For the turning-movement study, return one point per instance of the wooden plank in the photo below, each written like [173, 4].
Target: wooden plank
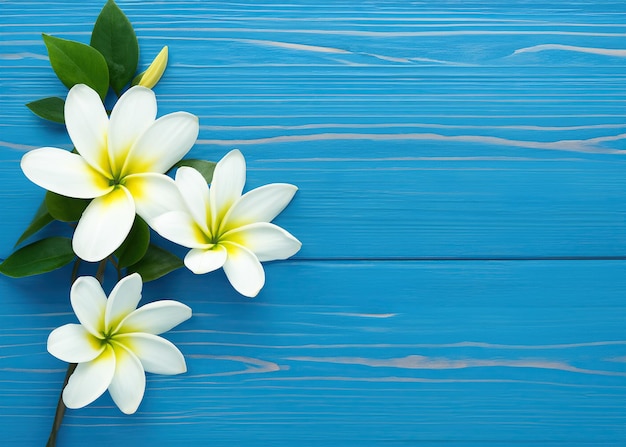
[483, 352]
[482, 133]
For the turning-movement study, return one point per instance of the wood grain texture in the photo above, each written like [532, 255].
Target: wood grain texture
[436, 351]
[462, 207]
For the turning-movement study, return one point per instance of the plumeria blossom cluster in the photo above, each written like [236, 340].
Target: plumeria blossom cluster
[120, 164]
[126, 176]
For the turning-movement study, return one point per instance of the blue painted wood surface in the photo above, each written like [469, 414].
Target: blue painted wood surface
[462, 207]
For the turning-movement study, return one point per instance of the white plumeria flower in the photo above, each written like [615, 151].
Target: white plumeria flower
[115, 343]
[120, 164]
[224, 228]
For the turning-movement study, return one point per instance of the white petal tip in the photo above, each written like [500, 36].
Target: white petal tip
[72, 405]
[181, 370]
[250, 295]
[130, 410]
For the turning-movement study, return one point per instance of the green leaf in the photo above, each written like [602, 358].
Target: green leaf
[51, 109]
[77, 63]
[136, 244]
[65, 209]
[39, 257]
[156, 263]
[41, 219]
[113, 36]
[204, 167]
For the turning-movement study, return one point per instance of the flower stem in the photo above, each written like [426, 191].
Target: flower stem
[117, 267]
[75, 270]
[58, 415]
[100, 272]
[60, 412]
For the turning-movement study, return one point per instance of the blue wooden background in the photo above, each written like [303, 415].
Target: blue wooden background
[462, 209]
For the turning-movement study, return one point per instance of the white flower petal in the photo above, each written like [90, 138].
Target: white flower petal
[154, 194]
[195, 192]
[202, 260]
[104, 225]
[89, 302]
[65, 173]
[89, 380]
[267, 241]
[129, 380]
[123, 299]
[259, 205]
[87, 124]
[229, 178]
[180, 228]
[133, 113]
[243, 269]
[163, 144]
[72, 343]
[157, 355]
[155, 318]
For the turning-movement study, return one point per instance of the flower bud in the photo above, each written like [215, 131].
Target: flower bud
[152, 75]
